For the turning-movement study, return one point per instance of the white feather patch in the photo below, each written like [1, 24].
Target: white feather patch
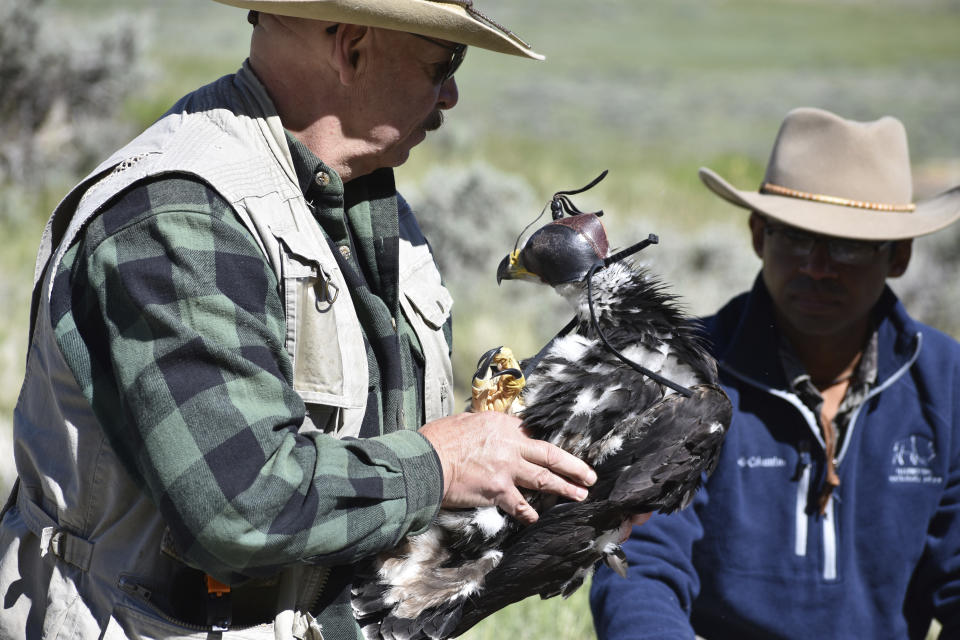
[649, 358]
[610, 446]
[585, 402]
[571, 347]
[423, 547]
[607, 393]
[489, 521]
[679, 372]
[471, 587]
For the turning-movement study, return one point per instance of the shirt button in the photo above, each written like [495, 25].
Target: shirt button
[322, 178]
[345, 252]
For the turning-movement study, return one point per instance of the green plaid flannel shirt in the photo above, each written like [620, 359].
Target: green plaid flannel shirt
[170, 318]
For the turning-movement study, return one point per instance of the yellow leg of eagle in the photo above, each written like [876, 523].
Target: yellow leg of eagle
[498, 383]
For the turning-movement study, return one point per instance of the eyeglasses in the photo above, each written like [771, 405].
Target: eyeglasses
[457, 53]
[797, 243]
[444, 71]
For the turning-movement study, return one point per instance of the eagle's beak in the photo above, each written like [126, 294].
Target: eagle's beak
[511, 269]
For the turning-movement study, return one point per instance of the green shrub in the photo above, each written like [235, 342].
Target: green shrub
[60, 92]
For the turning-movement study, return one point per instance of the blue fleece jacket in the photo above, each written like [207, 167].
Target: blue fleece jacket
[751, 558]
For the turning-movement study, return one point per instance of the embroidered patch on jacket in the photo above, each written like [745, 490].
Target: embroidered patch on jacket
[911, 459]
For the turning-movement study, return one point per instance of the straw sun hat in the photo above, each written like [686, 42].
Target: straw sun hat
[842, 178]
[453, 20]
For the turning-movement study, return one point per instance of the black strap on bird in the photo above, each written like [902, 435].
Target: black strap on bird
[561, 205]
[531, 363]
[679, 388]
[632, 249]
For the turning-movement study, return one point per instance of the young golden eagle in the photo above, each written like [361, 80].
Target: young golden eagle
[628, 388]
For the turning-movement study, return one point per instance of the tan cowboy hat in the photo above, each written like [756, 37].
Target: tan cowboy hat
[453, 20]
[842, 178]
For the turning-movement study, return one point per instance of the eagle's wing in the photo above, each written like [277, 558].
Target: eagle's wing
[649, 451]
[579, 397]
[659, 468]
[666, 455]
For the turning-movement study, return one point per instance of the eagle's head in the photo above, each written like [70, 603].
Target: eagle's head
[560, 252]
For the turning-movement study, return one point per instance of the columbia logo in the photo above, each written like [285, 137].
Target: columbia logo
[754, 462]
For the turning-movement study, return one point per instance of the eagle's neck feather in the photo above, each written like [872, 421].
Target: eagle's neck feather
[624, 293]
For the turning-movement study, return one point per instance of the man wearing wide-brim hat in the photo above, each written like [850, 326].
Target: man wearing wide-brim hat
[833, 510]
[239, 380]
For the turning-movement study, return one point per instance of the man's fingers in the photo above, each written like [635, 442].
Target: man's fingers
[548, 456]
[531, 476]
[513, 503]
[485, 459]
[626, 527]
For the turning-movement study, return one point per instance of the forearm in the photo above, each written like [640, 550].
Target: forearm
[619, 615]
[655, 599]
[942, 560]
[314, 499]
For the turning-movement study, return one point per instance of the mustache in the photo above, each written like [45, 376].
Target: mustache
[806, 284]
[433, 121]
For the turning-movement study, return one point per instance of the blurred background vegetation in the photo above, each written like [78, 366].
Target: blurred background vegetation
[649, 90]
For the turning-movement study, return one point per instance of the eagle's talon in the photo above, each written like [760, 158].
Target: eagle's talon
[483, 364]
[498, 381]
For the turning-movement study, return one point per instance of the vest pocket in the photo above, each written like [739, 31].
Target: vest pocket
[323, 338]
[427, 305]
[431, 301]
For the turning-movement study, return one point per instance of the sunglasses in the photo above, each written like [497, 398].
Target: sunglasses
[797, 243]
[444, 71]
[457, 53]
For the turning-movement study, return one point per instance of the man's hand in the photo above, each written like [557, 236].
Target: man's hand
[626, 527]
[486, 456]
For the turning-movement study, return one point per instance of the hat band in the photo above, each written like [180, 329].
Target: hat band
[775, 189]
[475, 13]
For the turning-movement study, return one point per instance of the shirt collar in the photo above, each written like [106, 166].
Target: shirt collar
[314, 177]
[798, 380]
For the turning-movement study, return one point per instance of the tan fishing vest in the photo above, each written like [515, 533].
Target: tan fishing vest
[80, 549]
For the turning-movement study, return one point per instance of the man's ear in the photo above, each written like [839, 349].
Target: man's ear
[351, 50]
[900, 254]
[756, 232]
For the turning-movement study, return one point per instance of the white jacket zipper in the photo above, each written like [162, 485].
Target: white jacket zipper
[803, 489]
[829, 542]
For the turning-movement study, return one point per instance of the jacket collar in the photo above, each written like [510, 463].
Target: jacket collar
[746, 338]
